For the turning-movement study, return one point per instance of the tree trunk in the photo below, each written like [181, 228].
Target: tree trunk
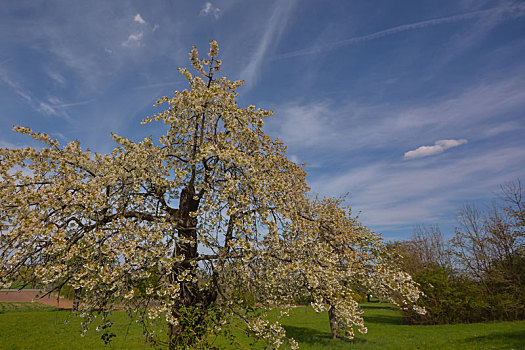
[193, 303]
[76, 298]
[334, 325]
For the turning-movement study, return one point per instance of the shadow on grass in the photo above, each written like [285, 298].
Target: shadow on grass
[381, 313]
[383, 319]
[318, 338]
[512, 340]
[377, 307]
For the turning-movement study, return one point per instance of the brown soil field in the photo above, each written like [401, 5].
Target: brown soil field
[30, 295]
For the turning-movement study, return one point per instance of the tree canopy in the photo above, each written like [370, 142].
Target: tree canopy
[174, 229]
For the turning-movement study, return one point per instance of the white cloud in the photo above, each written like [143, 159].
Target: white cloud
[134, 40]
[138, 18]
[56, 103]
[497, 13]
[321, 126]
[408, 193]
[57, 77]
[273, 31]
[29, 98]
[59, 135]
[470, 110]
[503, 128]
[209, 10]
[446, 144]
[439, 147]
[15, 86]
[47, 109]
[308, 125]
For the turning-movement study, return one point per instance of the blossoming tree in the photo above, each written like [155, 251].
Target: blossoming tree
[328, 254]
[170, 230]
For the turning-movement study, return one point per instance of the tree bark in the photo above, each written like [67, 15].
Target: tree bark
[334, 325]
[192, 300]
[76, 298]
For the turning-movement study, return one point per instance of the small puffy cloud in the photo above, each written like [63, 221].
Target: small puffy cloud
[134, 39]
[439, 146]
[209, 10]
[138, 18]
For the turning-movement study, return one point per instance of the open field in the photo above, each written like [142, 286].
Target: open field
[23, 327]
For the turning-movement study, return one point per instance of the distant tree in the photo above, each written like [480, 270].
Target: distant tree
[426, 249]
[175, 230]
[478, 274]
[490, 248]
[427, 258]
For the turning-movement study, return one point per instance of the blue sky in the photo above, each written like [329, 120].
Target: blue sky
[411, 107]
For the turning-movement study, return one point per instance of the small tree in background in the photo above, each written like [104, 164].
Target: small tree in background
[447, 296]
[490, 248]
[330, 255]
[175, 229]
[478, 274]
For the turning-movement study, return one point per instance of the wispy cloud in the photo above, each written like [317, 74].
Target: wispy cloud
[53, 106]
[47, 109]
[477, 109]
[59, 104]
[209, 10]
[134, 40]
[308, 125]
[14, 85]
[34, 102]
[439, 147]
[156, 85]
[499, 13]
[138, 18]
[270, 38]
[501, 128]
[57, 77]
[407, 193]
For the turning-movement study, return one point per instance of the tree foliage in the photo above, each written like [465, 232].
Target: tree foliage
[490, 248]
[174, 230]
[478, 274]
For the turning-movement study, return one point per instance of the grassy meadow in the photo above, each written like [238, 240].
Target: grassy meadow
[31, 326]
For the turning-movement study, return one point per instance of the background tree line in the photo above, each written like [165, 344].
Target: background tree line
[478, 274]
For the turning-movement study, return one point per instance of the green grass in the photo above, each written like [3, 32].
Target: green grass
[20, 285]
[24, 327]
[59, 329]
[22, 307]
[385, 331]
